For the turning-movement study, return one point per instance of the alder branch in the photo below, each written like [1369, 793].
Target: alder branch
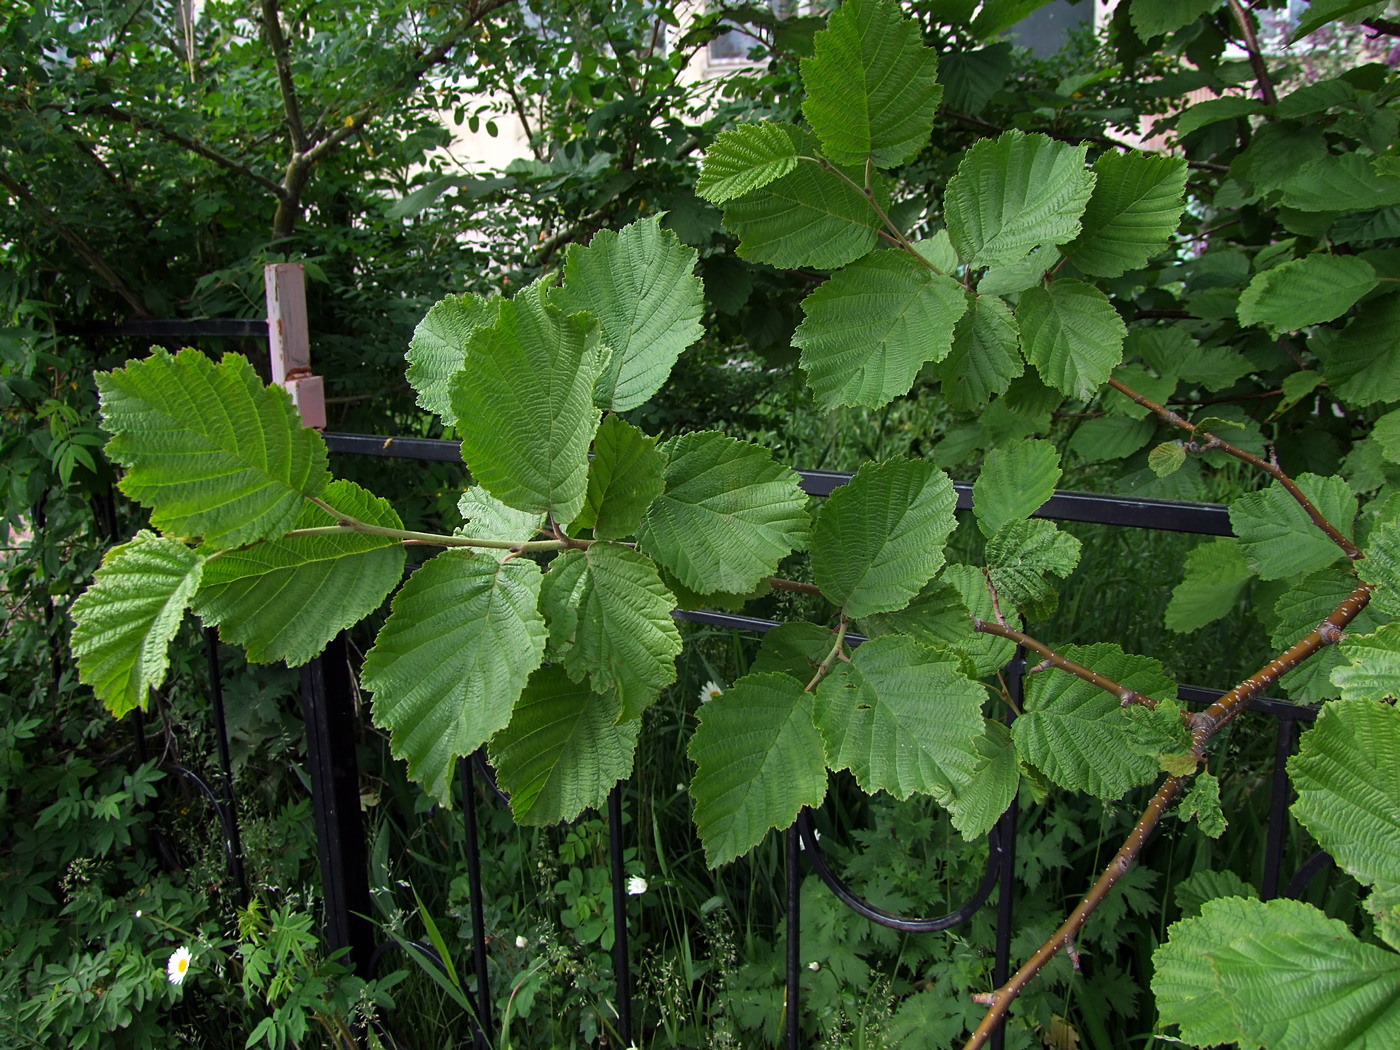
[1272, 469]
[1382, 26]
[1256, 57]
[1125, 695]
[281, 58]
[1203, 726]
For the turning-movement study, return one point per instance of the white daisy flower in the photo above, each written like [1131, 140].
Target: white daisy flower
[178, 966]
[636, 885]
[709, 691]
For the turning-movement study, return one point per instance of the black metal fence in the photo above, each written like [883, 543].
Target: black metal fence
[328, 702]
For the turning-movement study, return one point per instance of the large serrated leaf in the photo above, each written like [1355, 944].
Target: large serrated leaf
[1297, 612]
[1135, 208]
[626, 640]
[728, 515]
[872, 88]
[438, 348]
[560, 594]
[1022, 552]
[463, 635]
[809, 217]
[1381, 566]
[1362, 361]
[758, 760]
[988, 652]
[746, 158]
[1013, 193]
[868, 330]
[210, 450]
[991, 789]
[285, 598]
[902, 718]
[563, 750]
[1278, 537]
[625, 475]
[1305, 291]
[1278, 974]
[1081, 736]
[1215, 577]
[1154, 17]
[985, 355]
[878, 539]
[1014, 483]
[1072, 334]
[1369, 665]
[640, 284]
[1347, 775]
[484, 517]
[123, 623]
[524, 404]
[1340, 182]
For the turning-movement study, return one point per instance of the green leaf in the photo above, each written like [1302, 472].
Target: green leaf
[123, 622]
[1154, 17]
[625, 475]
[794, 648]
[1019, 555]
[1381, 566]
[1171, 351]
[640, 284]
[1202, 801]
[1194, 891]
[991, 789]
[809, 217]
[728, 515]
[1362, 361]
[1278, 974]
[285, 598]
[462, 637]
[1320, 12]
[1214, 110]
[487, 518]
[1347, 775]
[1072, 334]
[902, 718]
[758, 760]
[871, 86]
[1081, 736]
[1167, 458]
[1013, 193]
[560, 595]
[1340, 182]
[869, 329]
[626, 642]
[1215, 578]
[1371, 670]
[524, 404]
[212, 452]
[1014, 483]
[1110, 437]
[937, 617]
[1297, 612]
[563, 750]
[1386, 431]
[746, 158]
[1135, 208]
[878, 539]
[438, 349]
[1276, 534]
[1305, 291]
[998, 15]
[985, 356]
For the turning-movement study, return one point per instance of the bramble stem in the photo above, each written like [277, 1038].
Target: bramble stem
[1125, 695]
[1272, 469]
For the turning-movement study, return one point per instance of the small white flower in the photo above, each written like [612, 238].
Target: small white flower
[814, 965]
[138, 913]
[521, 942]
[709, 691]
[636, 885]
[178, 965]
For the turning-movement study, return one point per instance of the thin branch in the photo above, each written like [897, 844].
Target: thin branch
[1125, 695]
[1272, 469]
[88, 253]
[1382, 26]
[1203, 726]
[272, 25]
[779, 584]
[837, 652]
[1256, 57]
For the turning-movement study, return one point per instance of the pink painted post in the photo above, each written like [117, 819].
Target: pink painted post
[289, 340]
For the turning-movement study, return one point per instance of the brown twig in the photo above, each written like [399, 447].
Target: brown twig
[1256, 57]
[1272, 469]
[1125, 695]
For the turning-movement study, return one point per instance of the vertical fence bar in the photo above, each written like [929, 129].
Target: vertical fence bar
[621, 957]
[794, 938]
[1285, 740]
[216, 695]
[329, 710]
[473, 849]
